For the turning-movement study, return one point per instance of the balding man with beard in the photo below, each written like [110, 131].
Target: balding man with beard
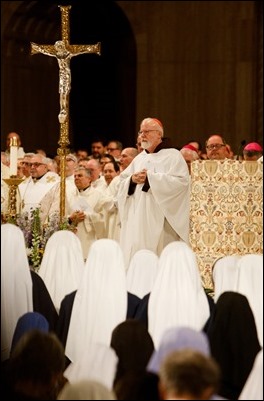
[153, 195]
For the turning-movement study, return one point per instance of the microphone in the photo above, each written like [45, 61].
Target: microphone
[242, 144]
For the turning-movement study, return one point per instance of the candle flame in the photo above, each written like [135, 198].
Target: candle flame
[13, 141]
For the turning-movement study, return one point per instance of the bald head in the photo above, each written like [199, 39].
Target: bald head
[126, 157]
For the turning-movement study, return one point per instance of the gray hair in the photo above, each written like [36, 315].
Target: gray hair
[154, 123]
[86, 170]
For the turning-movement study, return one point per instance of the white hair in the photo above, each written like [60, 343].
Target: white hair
[153, 123]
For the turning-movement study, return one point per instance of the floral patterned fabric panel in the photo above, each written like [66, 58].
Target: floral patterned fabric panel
[226, 215]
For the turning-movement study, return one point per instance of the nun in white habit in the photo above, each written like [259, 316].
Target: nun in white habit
[225, 274]
[62, 265]
[253, 388]
[178, 297]
[101, 301]
[98, 362]
[142, 272]
[16, 284]
[250, 284]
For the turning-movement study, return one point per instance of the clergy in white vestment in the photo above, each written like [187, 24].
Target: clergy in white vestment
[97, 177]
[35, 187]
[112, 215]
[154, 195]
[112, 219]
[85, 208]
[50, 203]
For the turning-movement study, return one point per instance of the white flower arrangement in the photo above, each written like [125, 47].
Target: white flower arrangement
[36, 234]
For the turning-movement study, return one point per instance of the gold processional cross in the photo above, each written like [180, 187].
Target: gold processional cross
[64, 51]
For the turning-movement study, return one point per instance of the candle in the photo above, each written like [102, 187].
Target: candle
[13, 156]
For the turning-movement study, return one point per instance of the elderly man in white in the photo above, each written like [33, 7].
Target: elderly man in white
[50, 203]
[33, 189]
[154, 195]
[85, 208]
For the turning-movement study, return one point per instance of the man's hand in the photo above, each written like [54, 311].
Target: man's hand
[140, 177]
[77, 216]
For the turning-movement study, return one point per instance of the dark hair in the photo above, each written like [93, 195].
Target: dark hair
[100, 139]
[111, 157]
[138, 386]
[115, 165]
[37, 356]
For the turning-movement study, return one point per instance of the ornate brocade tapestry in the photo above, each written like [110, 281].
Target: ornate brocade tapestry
[226, 215]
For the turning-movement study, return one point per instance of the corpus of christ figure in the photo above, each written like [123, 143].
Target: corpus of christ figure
[63, 56]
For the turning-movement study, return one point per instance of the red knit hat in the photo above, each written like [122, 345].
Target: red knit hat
[253, 146]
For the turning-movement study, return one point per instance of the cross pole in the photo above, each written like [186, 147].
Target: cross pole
[64, 51]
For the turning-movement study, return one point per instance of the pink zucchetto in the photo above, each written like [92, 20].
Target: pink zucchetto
[253, 146]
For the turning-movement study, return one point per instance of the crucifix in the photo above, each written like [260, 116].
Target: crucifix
[64, 51]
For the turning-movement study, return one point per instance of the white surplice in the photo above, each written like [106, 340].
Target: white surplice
[112, 219]
[154, 218]
[93, 203]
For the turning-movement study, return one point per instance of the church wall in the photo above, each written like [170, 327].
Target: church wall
[197, 70]
[197, 67]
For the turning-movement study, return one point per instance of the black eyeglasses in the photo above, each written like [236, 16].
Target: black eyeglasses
[37, 164]
[111, 149]
[215, 146]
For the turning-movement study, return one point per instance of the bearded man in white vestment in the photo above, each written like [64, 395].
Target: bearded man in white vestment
[154, 195]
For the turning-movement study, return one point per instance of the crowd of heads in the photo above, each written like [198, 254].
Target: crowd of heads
[215, 148]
